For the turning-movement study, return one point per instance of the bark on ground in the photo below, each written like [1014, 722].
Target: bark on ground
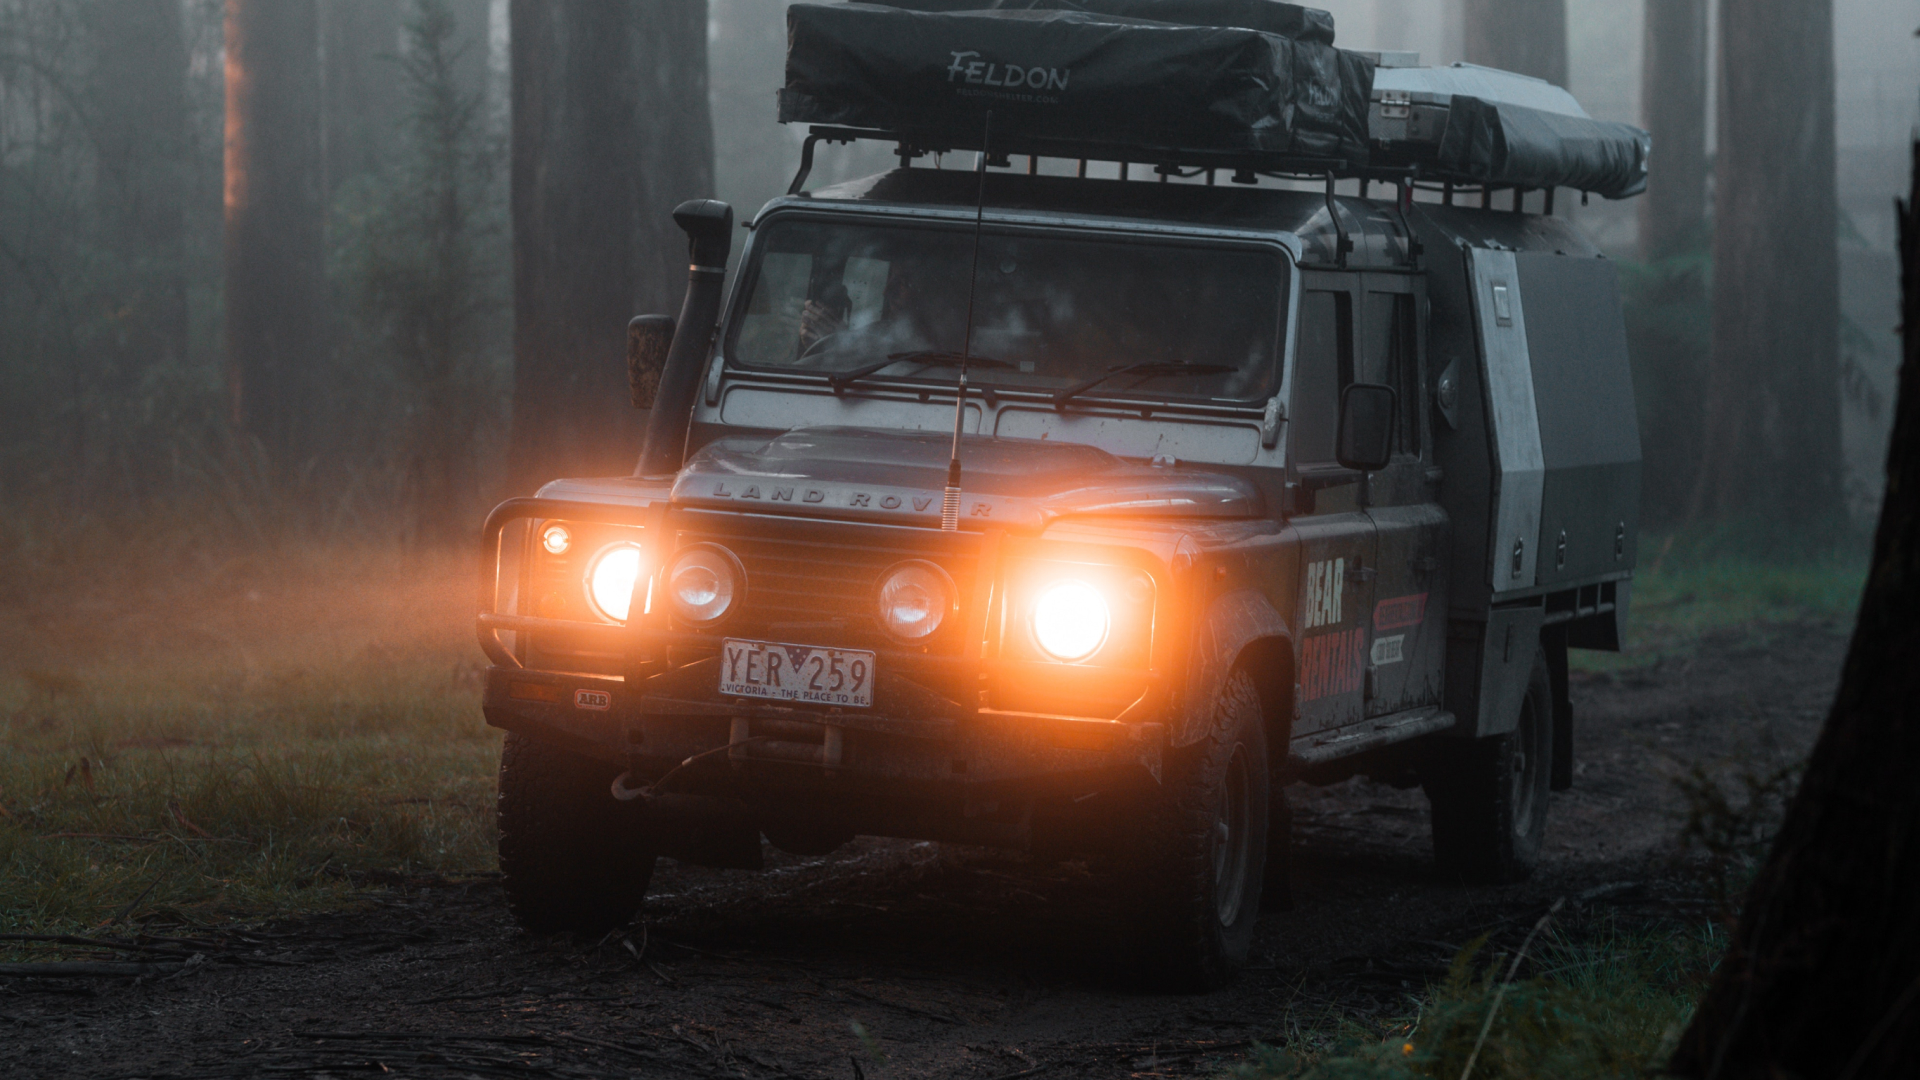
[955, 962]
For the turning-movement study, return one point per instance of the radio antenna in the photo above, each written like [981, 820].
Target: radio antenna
[950, 501]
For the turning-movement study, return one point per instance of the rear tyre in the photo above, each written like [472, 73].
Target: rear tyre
[572, 857]
[1200, 853]
[1489, 795]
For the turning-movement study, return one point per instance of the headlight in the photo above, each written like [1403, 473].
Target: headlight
[1070, 620]
[556, 539]
[915, 599]
[703, 583]
[610, 579]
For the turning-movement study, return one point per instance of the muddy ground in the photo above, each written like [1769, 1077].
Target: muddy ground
[954, 962]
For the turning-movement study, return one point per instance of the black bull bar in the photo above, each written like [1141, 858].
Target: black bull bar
[665, 709]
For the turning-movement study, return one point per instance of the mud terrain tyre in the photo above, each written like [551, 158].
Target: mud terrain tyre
[571, 856]
[1199, 857]
[1489, 795]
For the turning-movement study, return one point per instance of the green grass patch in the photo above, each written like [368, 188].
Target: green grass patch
[1688, 588]
[1604, 1004]
[238, 740]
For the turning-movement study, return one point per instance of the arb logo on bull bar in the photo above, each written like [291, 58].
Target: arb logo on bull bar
[597, 700]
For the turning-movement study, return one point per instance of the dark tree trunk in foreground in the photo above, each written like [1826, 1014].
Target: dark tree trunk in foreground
[1673, 102]
[139, 106]
[1823, 977]
[610, 131]
[275, 223]
[1773, 392]
[1527, 36]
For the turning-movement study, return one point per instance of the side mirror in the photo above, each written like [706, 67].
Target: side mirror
[647, 340]
[1365, 438]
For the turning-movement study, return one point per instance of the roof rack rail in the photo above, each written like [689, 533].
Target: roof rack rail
[1245, 167]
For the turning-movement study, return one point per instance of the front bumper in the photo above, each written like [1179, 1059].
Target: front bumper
[911, 741]
[929, 733]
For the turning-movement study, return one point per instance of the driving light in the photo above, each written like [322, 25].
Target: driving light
[610, 579]
[1070, 620]
[556, 539]
[915, 599]
[703, 582]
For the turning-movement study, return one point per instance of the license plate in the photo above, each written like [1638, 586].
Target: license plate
[780, 672]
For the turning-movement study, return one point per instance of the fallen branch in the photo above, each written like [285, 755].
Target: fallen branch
[1502, 992]
[104, 969]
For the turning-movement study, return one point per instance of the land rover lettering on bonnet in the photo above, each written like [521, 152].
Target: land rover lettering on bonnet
[1242, 416]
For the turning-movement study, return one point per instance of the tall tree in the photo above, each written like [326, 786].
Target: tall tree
[275, 223]
[1823, 975]
[425, 280]
[1527, 36]
[1673, 102]
[361, 40]
[138, 104]
[610, 130]
[1772, 432]
[674, 119]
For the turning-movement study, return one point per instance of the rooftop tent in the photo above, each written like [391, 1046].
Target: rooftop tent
[1117, 79]
[1484, 126]
[1266, 16]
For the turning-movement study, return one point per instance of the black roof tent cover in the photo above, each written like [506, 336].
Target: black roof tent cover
[1128, 79]
[1240, 83]
[1496, 143]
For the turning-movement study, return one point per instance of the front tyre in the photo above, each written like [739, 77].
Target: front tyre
[1489, 795]
[1201, 852]
[571, 856]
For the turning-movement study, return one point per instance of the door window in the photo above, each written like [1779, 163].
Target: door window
[1322, 365]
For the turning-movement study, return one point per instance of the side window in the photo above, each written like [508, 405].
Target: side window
[1392, 342]
[1322, 365]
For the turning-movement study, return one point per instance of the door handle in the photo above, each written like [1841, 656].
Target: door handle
[1358, 573]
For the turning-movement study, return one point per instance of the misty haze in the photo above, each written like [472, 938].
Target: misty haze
[959, 538]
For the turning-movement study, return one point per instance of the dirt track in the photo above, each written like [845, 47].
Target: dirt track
[955, 962]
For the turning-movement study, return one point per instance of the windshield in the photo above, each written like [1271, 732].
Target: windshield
[1052, 311]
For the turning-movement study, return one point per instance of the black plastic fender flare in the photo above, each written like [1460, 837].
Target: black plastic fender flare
[1233, 621]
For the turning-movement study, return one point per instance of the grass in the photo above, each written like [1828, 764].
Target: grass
[189, 737]
[1689, 587]
[196, 730]
[1605, 1002]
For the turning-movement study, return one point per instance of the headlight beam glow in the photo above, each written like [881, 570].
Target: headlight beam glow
[1071, 620]
[610, 580]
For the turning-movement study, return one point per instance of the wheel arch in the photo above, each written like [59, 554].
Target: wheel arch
[1239, 629]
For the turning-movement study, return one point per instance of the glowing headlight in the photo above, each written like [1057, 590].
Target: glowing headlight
[556, 539]
[703, 582]
[610, 579]
[914, 599]
[1070, 620]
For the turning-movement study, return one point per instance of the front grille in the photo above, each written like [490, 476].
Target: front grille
[825, 587]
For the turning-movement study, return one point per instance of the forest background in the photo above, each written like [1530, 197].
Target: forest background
[291, 291]
[272, 265]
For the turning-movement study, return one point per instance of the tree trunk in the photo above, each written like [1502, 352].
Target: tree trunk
[1823, 976]
[1773, 399]
[610, 131]
[1393, 26]
[275, 223]
[360, 39]
[675, 120]
[139, 108]
[1527, 36]
[1673, 100]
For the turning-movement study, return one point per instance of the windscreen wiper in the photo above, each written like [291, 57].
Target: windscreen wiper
[1146, 369]
[923, 357]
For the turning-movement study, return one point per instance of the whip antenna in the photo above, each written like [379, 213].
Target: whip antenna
[950, 501]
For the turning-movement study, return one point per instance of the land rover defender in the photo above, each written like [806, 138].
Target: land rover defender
[1278, 460]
